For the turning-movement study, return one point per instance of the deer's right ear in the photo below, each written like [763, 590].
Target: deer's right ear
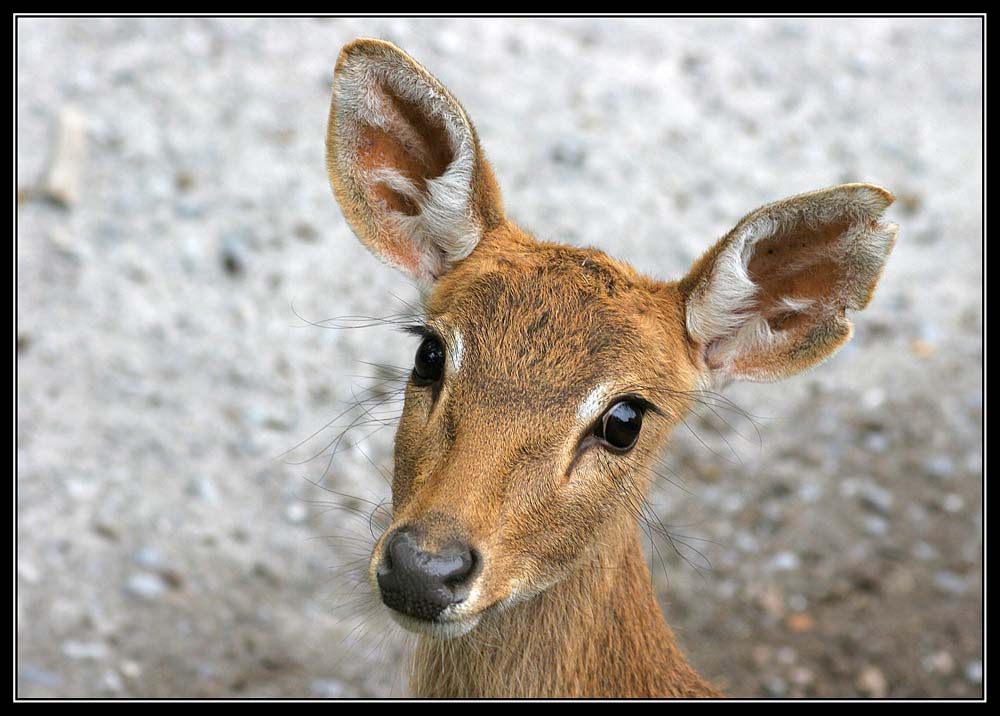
[405, 164]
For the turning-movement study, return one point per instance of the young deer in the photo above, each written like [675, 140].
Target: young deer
[547, 380]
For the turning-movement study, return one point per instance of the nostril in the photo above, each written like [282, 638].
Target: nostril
[396, 549]
[463, 572]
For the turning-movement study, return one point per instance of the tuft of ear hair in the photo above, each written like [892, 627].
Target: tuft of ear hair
[769, 300]
[405, 164]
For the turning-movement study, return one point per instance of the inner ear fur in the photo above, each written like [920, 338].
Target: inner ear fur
[769, 300]
[404, 162]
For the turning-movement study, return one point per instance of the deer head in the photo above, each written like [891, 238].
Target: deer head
[548, 377]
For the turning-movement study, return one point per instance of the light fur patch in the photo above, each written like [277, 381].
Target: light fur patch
[457, 352]
[594, 403]
[797, 305]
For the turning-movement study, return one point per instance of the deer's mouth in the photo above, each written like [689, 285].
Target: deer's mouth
[437, 628]
[456, 621]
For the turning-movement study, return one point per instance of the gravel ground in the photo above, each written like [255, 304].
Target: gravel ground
[170, 538]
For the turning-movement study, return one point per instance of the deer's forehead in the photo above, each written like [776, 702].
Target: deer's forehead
[542, 333]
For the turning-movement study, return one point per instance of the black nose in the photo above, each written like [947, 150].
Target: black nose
[424, 584]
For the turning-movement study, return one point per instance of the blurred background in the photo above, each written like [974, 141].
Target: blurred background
[201, 450]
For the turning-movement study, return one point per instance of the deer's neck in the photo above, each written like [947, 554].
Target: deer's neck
[598, 633]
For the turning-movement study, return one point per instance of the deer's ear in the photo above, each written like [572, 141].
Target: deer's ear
[769, 300]
[404, 162]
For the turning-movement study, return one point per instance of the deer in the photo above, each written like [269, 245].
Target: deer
[546, 380]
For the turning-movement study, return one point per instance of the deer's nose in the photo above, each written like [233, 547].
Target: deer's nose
[423, 584]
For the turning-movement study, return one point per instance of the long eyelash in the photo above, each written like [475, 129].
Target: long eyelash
[418, 329]
[647, 407]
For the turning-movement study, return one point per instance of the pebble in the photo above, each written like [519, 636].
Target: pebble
[146, 585]
[877, 441]
[925, 552]
[746, 542]
[974, 672]
[949, 582]
[732, 504]
[66, 615]
[939, 467]
[801, 676]
[148, 557]
[234, 258]
[797, 602]
[953, 503]
[328, 688]
[931, 332]
[728, 589]
[900, 581]
[916, 513]
[81, 489]
[131, 669]
[800, 623]
[876, 526]
[296, 513]
[774, 512]
[184, 180]
[776, 686]
[112, 682]
[204, 489]
[191, 254]
[870, 495]
[772, 601]
[872, 399]
[34, 675]
[62, 240]
[922, 348]
[871, 682]
[783, 562]
[28, 571]
[940, 662]
[786, 655]
[262, 571]
[85, 650]
[910, 203]
[64, 180]
[305, 231]
[105, 529]
[810, 492]
[569, 152]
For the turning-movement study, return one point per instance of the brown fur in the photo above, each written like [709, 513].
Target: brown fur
[501, 456]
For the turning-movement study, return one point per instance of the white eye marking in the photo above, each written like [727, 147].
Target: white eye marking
[457, 350]
[593, 403]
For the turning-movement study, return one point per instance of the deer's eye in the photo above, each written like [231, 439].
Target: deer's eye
[619, 427]
[429, 362]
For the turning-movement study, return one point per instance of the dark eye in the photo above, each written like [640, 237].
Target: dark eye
[429, 362]
[619, 427]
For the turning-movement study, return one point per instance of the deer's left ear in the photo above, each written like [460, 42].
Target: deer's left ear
[404, 162]
[769, 300]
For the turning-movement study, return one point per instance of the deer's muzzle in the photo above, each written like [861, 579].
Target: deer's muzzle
[421, 583]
